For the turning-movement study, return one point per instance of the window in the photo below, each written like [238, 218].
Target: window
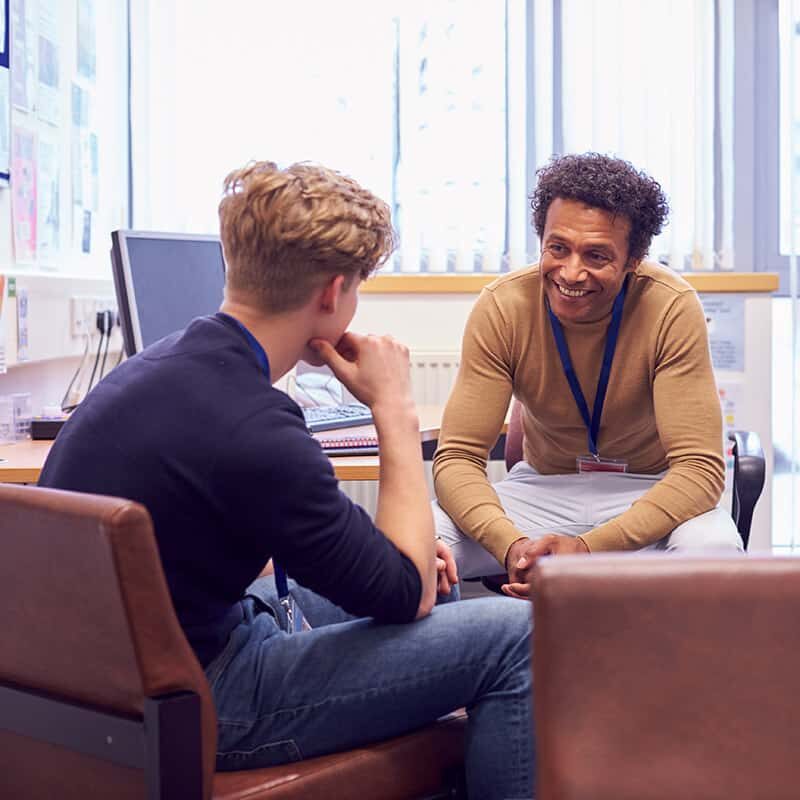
[789, 27]
[415, 110]
[638, 81]
[445, 110]
[763, 120]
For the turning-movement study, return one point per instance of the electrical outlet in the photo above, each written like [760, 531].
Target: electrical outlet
[82, 316]
[105, 304]
[84, 310]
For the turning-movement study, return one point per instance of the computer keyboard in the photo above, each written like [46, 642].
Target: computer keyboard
[326, 418]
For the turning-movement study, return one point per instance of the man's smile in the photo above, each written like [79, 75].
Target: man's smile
[571, 292]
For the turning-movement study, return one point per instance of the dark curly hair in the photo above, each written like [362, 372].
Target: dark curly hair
[603, 182]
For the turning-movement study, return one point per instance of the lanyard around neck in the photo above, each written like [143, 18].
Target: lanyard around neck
[255, 345]
[592, 423]
[281, 583]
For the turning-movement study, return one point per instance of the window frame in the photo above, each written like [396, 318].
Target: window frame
[757, 211]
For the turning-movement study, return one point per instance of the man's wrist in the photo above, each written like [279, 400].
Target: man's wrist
[398, 413]
[510, 548]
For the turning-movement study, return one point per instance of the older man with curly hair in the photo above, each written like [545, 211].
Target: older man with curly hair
[608, 356]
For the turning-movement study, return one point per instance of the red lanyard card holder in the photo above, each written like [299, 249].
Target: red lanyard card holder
[590, 463]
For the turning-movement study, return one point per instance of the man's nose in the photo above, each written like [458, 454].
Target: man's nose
[572, 269]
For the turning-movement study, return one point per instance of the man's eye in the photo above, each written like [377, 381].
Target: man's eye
[557, 249]
[598, 258]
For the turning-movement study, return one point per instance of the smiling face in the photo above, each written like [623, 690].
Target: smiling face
[584, 259]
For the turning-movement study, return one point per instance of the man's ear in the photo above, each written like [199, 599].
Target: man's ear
[632, 264]
[331, 291]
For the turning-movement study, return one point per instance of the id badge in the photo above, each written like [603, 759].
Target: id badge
[590, 463]
[297, 623]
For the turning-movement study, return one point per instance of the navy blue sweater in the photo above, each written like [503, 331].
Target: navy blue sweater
[193, 429]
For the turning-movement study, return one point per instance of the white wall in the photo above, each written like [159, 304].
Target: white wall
[53, 352]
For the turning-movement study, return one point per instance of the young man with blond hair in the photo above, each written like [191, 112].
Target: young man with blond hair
[194, 429]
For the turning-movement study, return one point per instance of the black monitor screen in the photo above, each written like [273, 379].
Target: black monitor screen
[163, 282]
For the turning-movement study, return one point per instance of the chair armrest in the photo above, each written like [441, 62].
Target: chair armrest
[692, 661]
[748, 478]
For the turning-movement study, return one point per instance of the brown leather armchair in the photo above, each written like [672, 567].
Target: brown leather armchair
[661, 678]
[101, 695]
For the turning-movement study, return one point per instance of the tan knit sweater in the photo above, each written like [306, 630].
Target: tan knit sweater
[661, 412]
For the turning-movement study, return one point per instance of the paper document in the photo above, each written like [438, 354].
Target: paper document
[5, 125]
[23, 194]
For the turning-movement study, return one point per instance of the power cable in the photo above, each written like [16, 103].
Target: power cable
[97, 355]
[108, 329]
[64, 406]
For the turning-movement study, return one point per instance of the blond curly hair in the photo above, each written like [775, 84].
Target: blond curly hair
[285, 232]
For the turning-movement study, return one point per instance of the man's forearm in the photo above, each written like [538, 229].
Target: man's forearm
[465, 493]
[679, 496]
[404, 511]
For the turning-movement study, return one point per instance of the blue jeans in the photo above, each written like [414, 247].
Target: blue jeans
[283, 697]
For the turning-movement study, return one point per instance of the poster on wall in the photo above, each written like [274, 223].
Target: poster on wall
[49, 99]
[87, 54]
[725, 318]
[94, 174]
[85, 186]
[23, 194]
[5, 125]
[85, 231]
[85, 177]
[5, 94]
[80, 106]
[23, 92]
[80, 124]
[3, 289]
[22, 324]
[48, 243]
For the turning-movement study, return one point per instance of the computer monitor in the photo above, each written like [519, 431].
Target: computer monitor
[163, 281]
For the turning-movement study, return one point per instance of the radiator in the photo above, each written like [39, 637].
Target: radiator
[432, 377]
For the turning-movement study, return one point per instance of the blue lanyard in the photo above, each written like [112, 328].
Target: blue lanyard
[593, 423]
[280, 573]
[255, 345]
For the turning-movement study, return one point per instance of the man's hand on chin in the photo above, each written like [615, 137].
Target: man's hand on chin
[523, 554]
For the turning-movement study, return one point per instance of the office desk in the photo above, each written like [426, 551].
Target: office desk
[24, 459]
[367, 468]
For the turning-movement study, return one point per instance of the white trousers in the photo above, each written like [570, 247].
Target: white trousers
[572, 505]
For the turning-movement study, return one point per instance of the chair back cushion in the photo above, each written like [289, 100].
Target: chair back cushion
[664, 676]
[87, 617]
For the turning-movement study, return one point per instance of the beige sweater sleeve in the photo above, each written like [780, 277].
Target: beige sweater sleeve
[471, 425]
[689, 421]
